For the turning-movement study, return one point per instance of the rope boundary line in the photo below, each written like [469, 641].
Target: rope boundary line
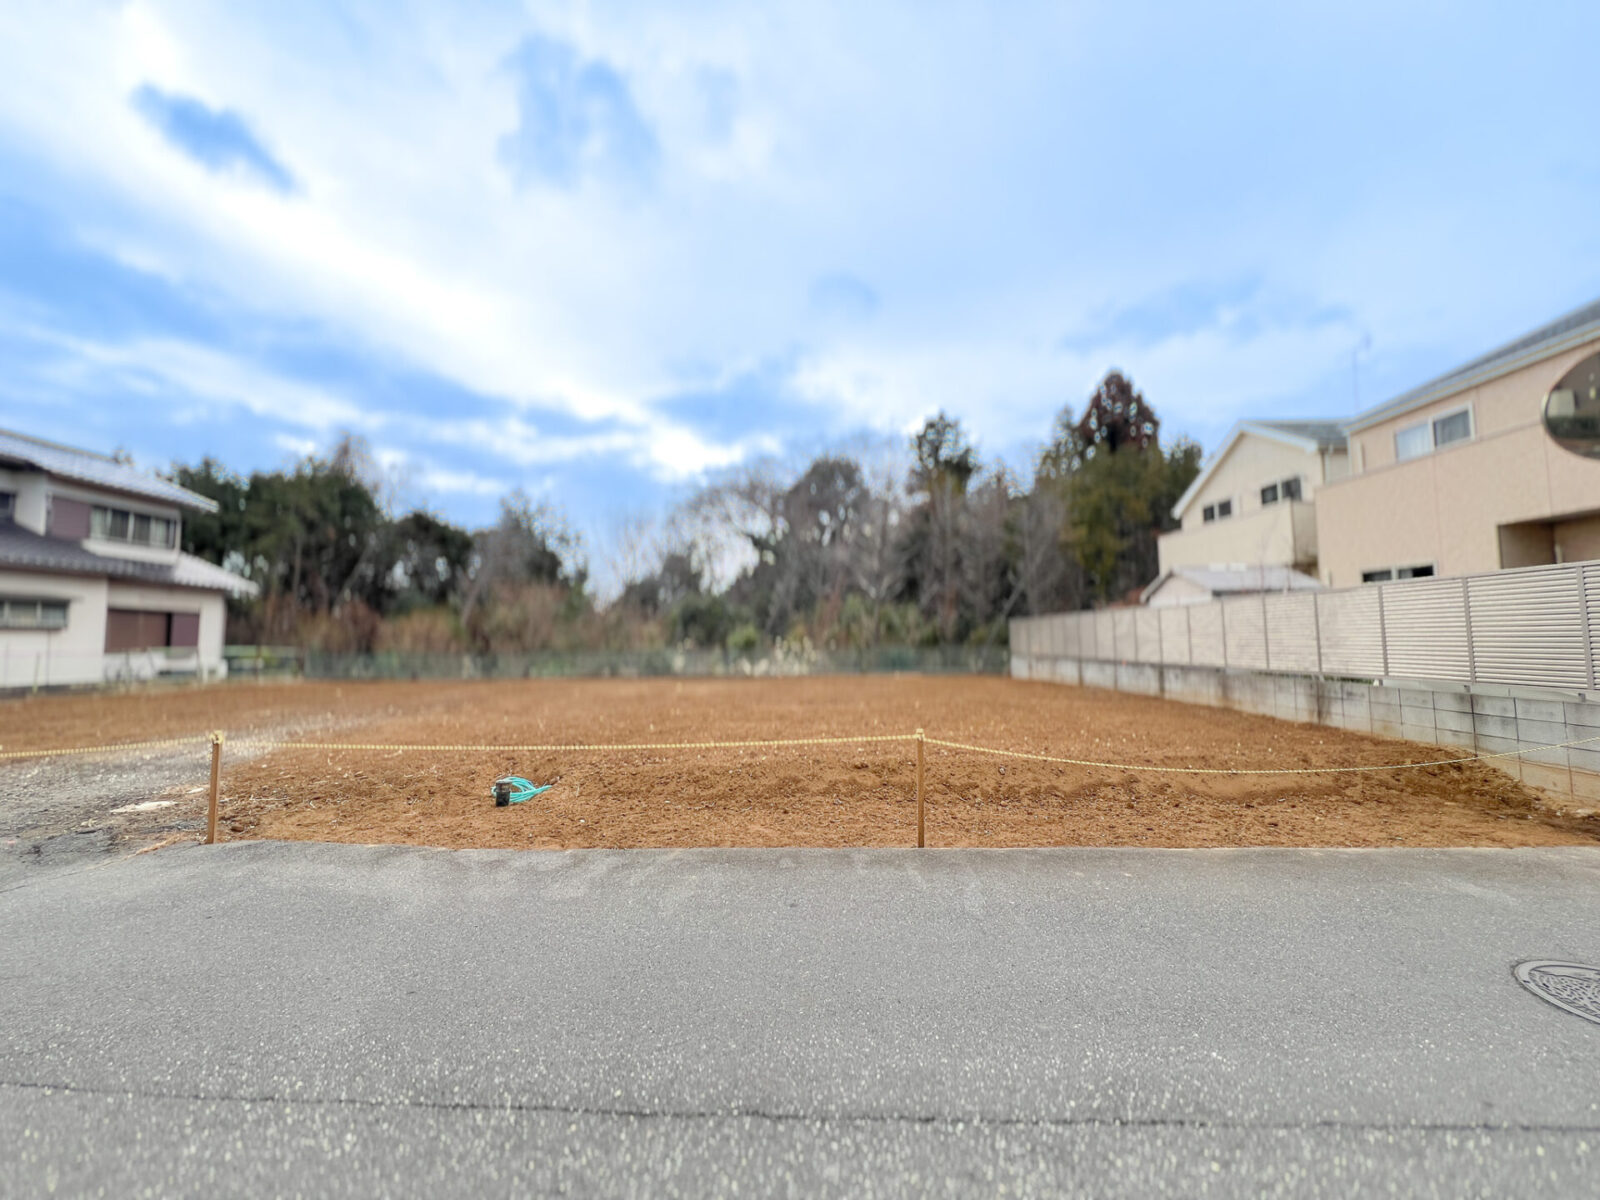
[65, 751]
[578, 747]
[769, 743]
[1154, 769]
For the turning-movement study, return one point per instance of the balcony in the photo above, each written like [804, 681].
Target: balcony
[1282, 534]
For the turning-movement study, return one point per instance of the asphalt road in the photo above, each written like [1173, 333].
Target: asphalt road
[278, 1019]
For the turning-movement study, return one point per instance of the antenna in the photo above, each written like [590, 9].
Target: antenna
[1361, 347]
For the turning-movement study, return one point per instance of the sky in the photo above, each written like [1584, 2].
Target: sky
[607, 251]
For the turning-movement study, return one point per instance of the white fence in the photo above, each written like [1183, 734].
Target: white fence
[1530, 626]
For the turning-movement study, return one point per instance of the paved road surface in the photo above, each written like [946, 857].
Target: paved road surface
[263, 1019]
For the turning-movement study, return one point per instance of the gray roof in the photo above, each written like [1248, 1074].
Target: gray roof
[99, 470]
[1573, 329]
[1328, 435]
[1324, 435]
[22, 549]
[1233, 580]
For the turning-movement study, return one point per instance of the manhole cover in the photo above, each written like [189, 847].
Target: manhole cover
[1571, 986]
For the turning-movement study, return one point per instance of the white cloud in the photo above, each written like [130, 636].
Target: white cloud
[299, 447]
[183, 376]
[994, 181]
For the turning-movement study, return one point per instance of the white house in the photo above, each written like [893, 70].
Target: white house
[92, 583]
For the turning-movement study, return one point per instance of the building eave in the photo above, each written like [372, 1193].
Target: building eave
[1451, 383]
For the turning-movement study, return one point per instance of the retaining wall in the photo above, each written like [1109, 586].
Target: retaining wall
[1481, 718]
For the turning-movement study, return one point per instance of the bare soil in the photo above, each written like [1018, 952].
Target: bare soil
[842, 795]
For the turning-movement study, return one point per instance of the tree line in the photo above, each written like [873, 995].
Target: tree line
[845, 552]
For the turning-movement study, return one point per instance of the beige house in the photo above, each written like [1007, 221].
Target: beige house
[1253, 504]
[1458, 476]
[93, 585]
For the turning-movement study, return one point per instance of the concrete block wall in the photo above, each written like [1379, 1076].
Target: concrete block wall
[1476, 718]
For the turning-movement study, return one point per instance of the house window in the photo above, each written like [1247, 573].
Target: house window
[1386, 574]
[141, 529]
[1433, 435]
[1208, 513]
[1284, 489]
[8, 505]
[1412, 443]
[1224, 509]
[19, 613]
[1453, 427]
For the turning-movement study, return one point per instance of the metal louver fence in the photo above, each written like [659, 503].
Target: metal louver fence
[1538, 626]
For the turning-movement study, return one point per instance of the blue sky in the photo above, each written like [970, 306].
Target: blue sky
[604, 251]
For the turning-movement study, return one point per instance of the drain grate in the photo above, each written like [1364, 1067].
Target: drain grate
[1571, 986]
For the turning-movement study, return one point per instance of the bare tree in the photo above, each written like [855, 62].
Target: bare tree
[1050, 580]
[985, 584]
[875, 568]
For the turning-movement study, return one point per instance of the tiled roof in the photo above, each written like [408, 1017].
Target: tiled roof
[85, 466]
[1572, 329]
[25, 550]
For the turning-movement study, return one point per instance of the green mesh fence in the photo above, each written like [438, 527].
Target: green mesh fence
[952, 660]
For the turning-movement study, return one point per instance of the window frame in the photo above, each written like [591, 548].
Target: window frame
[1430, 427]
[1430, 570]
[40, 605]
[123, 524]
[1280, 490]
[1423, 427]
[1472, 426]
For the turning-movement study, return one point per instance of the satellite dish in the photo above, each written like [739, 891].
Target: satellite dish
[1572, 409]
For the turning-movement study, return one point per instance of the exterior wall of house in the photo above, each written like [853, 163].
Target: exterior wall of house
[76, 494]
[30, 490]
[1263, 536]
[209, 606]
[77, 654]
[1576, 541]
[1252, 463]
[97, 606]
[48, 657]
[1281, 534]
[1450, 508]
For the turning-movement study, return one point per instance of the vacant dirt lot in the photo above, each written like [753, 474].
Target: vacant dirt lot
[844, 795]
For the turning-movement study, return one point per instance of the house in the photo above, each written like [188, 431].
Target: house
[1458, 476]
[1197, 585]
[1253, 503]
[93, 585]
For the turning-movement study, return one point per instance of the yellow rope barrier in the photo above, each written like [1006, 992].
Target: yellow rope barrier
[1111, 766]
[62, 752]
[266, 743]
[273, 744]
